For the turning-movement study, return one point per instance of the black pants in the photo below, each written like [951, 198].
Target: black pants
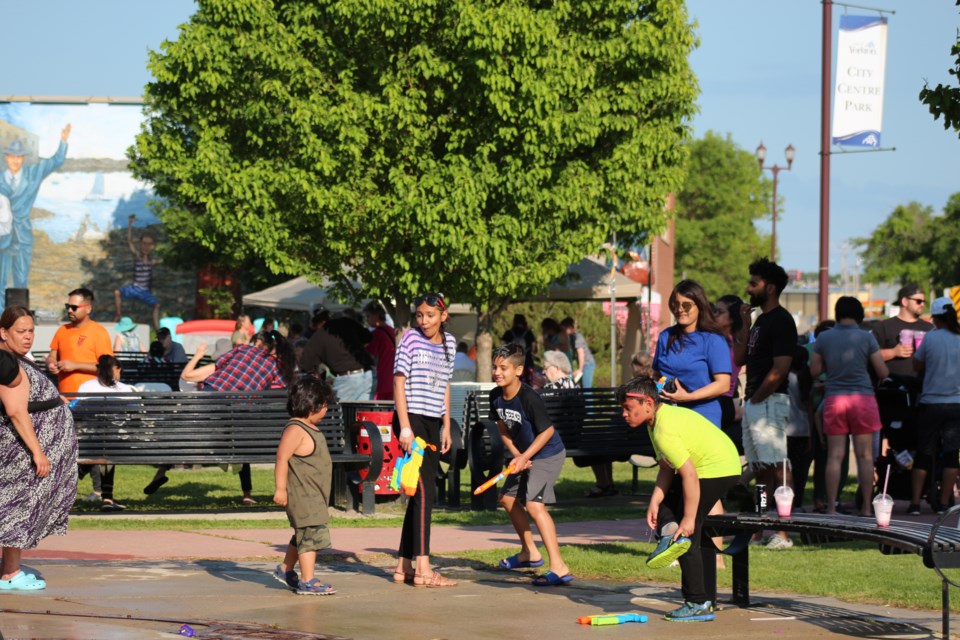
[800, 455]
[415, 536]
[698, 566]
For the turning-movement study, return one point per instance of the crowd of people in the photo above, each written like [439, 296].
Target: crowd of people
[719, 385]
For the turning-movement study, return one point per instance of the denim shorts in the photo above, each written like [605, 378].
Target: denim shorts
[138, 293]
[765, 429]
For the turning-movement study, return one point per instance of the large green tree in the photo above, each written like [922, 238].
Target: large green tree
[477, 147]
[944, 99]
[915, 245]
[724, 193]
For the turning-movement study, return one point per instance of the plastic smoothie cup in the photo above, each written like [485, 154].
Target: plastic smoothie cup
[882, 509]
[784, 497]
[906, 336]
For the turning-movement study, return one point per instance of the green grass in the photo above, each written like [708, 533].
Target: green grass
[854, 572]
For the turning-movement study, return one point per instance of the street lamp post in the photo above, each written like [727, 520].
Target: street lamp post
[775, 169]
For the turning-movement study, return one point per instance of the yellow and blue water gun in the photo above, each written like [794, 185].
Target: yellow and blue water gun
[406, 474]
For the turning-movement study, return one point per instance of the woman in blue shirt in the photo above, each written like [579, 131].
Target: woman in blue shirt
[694, 352]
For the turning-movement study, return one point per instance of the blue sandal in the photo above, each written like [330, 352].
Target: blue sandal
[514, 562]
[550, 579]
[23, 582]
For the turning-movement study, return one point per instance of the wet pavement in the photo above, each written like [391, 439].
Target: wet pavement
[146, 584]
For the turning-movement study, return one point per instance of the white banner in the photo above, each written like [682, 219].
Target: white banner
[858, 95]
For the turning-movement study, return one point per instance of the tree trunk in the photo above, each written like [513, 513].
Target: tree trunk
[484, 347]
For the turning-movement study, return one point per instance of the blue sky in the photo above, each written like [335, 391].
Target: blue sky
[758, 66]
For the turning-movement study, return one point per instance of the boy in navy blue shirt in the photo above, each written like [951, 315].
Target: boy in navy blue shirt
[538, 456]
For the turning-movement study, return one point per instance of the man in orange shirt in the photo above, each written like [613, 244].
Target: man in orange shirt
[77, 345]
[74, 351]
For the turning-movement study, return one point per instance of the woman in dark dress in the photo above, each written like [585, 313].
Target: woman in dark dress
[38, 453]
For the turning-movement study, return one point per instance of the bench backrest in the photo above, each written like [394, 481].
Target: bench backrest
[198, 427]
[589, 421]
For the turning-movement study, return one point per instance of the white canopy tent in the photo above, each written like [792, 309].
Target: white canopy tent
[295, 295]
[589, 279]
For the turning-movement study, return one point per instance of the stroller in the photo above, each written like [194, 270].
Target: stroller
[897, 400]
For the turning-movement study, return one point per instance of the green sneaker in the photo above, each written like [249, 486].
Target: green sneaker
[692, 612]
[667, 551]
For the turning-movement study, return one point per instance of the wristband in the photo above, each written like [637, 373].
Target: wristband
[406, 432]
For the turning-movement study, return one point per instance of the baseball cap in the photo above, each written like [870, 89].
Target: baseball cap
[942, 306]
[906, 291]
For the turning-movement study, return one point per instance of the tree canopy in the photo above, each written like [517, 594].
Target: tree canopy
[944, 100]
[468, 146]
[723, 194]
[914, 245]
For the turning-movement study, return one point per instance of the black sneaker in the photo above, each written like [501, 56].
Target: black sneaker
[111, 505]
[913, 510]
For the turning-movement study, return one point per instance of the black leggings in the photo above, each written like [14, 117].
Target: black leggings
[698, 566]
[415, 536]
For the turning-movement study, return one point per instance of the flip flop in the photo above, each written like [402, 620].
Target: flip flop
[514, 562]
[550, 579]
[23, 582]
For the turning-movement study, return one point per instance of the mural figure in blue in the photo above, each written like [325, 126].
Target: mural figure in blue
[20, 185]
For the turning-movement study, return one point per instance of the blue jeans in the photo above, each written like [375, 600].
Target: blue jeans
[587, 380]
[353, 387]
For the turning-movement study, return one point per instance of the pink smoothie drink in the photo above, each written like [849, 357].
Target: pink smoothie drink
[784, 497]
[882, 509]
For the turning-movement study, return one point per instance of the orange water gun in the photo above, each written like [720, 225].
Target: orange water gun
[494, 480]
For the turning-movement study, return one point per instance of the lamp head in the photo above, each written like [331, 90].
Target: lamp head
[761, 154]
[789, 152]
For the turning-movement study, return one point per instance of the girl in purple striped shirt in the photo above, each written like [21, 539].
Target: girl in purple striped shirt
[421, 391]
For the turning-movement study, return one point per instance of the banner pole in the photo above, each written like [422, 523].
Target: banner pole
[826, 89]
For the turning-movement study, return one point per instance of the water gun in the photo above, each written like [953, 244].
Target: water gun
[604, 619]
[406, 475]
[494, 480]
[666, 384]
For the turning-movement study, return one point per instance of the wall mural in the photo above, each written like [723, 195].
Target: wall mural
[71, 214]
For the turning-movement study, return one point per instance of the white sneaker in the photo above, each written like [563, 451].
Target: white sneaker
[776, 542]
[93, 497]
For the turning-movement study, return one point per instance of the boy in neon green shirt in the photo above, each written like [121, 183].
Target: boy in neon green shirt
[698, 465]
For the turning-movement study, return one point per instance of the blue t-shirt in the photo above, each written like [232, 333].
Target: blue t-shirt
[703, 355]
[525, 416]
[940, 354]
[846, 351]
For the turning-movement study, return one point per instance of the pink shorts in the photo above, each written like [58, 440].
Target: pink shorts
[850, 415]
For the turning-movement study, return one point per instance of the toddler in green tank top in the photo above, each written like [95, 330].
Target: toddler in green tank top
[303, 472]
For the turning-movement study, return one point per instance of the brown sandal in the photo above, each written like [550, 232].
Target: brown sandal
[435, 580]
[402, 577]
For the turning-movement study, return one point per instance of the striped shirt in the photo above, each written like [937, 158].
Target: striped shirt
[142, 273]
[427, 370]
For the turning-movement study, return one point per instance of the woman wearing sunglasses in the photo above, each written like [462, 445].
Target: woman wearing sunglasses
[694, 353]
[421, 390]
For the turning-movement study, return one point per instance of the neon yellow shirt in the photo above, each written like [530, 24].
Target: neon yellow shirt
[682, 434]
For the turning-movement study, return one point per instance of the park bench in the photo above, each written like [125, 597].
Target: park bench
[589, 421]
[938, 544]
[232, 427]
[136, 369]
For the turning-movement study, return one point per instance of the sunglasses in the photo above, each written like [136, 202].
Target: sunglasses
[74, 307]
[918, 301]
[685, 306]
[431, 299]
